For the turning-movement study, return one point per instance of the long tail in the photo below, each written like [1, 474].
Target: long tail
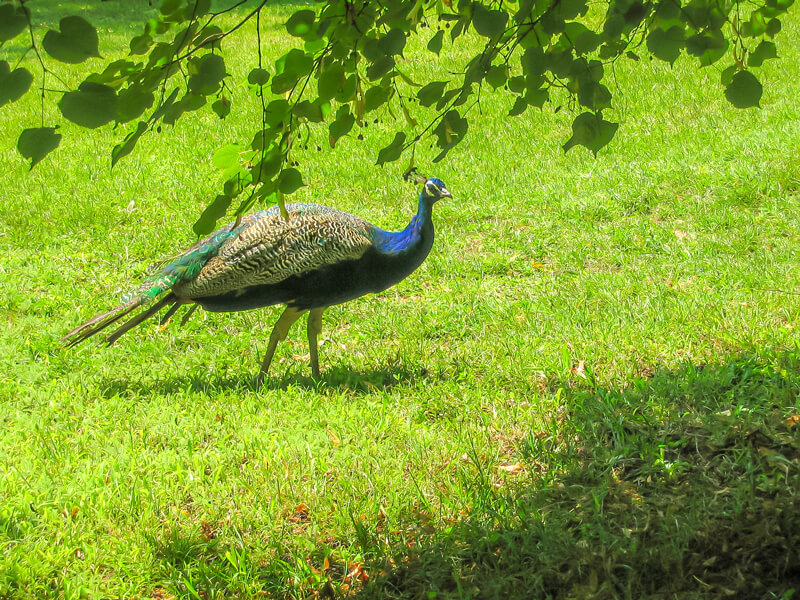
[100, 322]
[183, 268]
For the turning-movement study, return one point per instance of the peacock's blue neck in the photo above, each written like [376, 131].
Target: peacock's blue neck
[419, 232]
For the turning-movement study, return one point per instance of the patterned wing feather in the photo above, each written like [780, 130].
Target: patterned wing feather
[269, 249]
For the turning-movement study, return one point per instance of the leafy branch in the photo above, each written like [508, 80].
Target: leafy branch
[353, 50]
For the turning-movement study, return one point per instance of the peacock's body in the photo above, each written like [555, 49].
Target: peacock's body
[316, 258]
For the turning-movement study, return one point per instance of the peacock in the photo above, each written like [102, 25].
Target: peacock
[313, 258]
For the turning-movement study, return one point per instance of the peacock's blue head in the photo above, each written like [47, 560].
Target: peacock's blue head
[434, 190]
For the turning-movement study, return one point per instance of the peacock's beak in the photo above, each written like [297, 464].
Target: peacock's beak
[444, 193]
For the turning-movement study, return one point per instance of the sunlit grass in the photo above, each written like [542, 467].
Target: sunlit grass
[556, 401]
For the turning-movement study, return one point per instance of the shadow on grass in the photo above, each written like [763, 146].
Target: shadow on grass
[683, 485]
[343, 378]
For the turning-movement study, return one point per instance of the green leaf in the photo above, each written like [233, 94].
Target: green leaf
[289, 68]
[376, 96]
[347, 90]
[208, 37]
[236, 184]
[289, 181]
[537, 97]
[258, 76]
[311, 111]
[222, 107]
[132, 102]
[393, 42]
[380, 67]
[393, 151]
[12, 21]
[37, 143]
[313, 46]
[569, 9]
[227, 156]
[773, 27]
[330, 80]
[709, 46]
[283, 82]
[141, 44]
[488, 23]
[636, 12]
[14, 84]
[573, 32]
[295, 61]
[460, 26]
[517, 84]
[165, 106]
[744, 90]
[450, 131]
[191, 102]
[668, 11]
[128, 144]
[268, 167]
[552, 22]
[666, 45]
[301, 24]
[371, 50]
[197, 8]
[727, 75]
[277, 111]
[561, 63]
[519, 107]
[613, 26]
[206, 74]
[587, 41]
[525, 10]
[188, 103]
[212, 213]
[341, 125]
[534, 61]
[76, 41]
[169, 6]
[593, 95]
[756, 26]
[435, 43]
[764, 51]
[497, 76]
[91, 106]
[430, 93]
[592, 131]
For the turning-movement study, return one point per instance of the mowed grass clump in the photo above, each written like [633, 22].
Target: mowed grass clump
[588, 390]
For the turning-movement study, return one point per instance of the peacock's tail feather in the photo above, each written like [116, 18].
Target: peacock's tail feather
[143, 316]
[184, 268]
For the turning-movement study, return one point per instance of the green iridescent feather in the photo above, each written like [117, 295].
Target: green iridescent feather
[185, 267]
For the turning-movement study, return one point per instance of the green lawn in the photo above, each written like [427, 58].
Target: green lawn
[589, 390]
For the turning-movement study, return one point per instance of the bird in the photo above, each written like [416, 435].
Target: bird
[309, 258]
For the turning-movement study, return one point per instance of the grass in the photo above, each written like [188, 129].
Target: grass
[589, 390]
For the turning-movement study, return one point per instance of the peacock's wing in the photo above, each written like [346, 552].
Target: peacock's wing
[269, 249]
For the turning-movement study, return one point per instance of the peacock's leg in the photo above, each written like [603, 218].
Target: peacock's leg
[279, 333]
[314, 329]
